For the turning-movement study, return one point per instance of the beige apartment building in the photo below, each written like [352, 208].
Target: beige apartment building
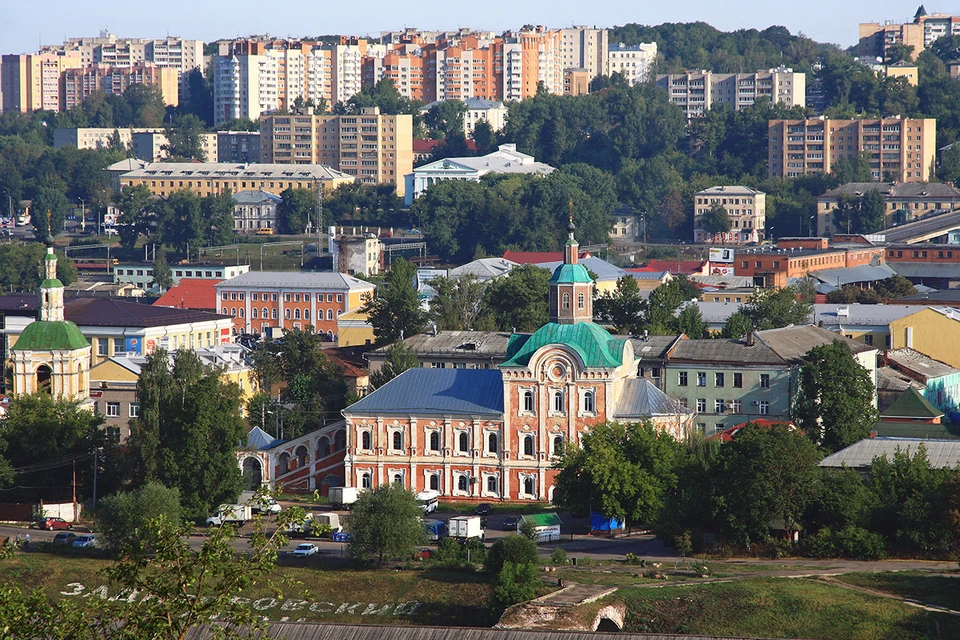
[78, 84]
[32, 81]
[694, 92]
[900, 149]
[746, 208]
[145, 143]
[925, 29]
[634, 62]
[374, 147]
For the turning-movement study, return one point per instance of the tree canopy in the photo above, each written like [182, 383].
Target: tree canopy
[385, 524]
[395, 310]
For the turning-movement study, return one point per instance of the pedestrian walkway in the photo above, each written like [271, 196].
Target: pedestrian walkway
[576, 594]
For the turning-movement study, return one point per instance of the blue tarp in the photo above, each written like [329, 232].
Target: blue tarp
[599, 522]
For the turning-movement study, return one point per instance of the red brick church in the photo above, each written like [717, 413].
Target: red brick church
[494, 434]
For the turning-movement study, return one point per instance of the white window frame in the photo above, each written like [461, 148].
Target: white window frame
[113, 410]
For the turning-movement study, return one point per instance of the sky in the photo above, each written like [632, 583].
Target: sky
[23, 27]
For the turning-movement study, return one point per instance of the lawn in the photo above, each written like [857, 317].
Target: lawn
[941, 591]
[313, 594]
[779, 608]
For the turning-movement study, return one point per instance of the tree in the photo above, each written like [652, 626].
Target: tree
[162, 275]
[623, 307]
[514, 583]
[765, 475]
[774, 309]
[181, 226]
[624, 471]
[294, 210]
[690, 323]
[133, 202]
[485, 137]
[835, 403]
[738, 326]
[187, 432]
[385, 524]
[49, 199]
[216, 210]
[19, 267]
[445, 119]
[126, 514]
[147, 105]
[395, 310]
[185, 139]
[519, 300]
[515, 549]
[873, 212]
[716, 220]
[399, 359]
[457, 304]
[664, 301]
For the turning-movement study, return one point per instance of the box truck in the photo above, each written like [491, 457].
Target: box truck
[342, 497]
[237, 514]
[464, 527]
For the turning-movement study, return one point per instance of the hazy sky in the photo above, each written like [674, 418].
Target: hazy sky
[23, 24]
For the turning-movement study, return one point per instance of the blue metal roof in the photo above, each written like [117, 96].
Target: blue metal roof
[436, 391]
[259, 439]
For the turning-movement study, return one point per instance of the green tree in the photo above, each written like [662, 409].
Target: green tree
[395, 311]
[873, 212]
[385, 524]
[665, 300]
[399, 359]
[738, 326]
[134, 220]
[624, 471]
[515, 549]
[716, 220]
[765, 475]
[773, 309]
[185, 139]
[188, 430]
[844, 501]
[484, 137]
[852, 169]
[162, 274]
[515, 583]
[126, 514]
[835, 403]
[518, 301]
[49, 199]
[690, 323]
[181, 225]
[294, 210]
[445, 119]
[623, 307]
[457, 304]
[146, 104]
[217, 215]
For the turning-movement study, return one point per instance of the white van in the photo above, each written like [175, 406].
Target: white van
[428, 500]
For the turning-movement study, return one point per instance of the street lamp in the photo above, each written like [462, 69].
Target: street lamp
[83, 213]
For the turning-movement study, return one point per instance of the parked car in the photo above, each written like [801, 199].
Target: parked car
[85, 541]
[483, 509]
[54, 522]
[305, 549]
[510, 523]
[65, 537]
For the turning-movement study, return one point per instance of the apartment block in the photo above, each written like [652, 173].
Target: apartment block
[745, 207]
[585, 48]
[78, 84]
[145, 143]
[107, 49]
[31, 82]
[900, 149]
[925, 29]
[374, 147]
[634, 63]
[694, 92]
[238, 146]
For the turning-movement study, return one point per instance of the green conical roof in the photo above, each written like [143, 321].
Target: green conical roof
[571, 274]
[595, 346]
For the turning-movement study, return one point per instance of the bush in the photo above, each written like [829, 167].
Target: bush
[121, 515]
[662, 253]
[559, 556]
[513, 548]
[850, 542]
[515, 583]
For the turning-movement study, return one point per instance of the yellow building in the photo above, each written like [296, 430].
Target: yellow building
[205, 178]
[904, 69]
[934, 332]
[353, 329]
[32, 82]
[374, 147]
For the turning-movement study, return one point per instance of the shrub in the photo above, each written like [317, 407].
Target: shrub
[515, 583]
[849, 542]
[121, 515]
[512, 548]
[559, 556]
[662, 253]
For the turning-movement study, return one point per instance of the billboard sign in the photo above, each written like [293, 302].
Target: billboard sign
[132, 345]
[721, 255]
[721, 270]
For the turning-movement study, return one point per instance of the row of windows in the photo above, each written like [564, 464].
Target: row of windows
[527, 442]
[112, 410]
[719, 379]
[297, 314]
[733, 406]
[462, 481]
[287, 297]
[557, 401]
[581, 301]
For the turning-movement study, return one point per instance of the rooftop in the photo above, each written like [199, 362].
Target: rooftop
[51, 336]
[506, 159]
[911, 405]
[947, 270]
[594, 344]
[640, 398]
[850, 275]
[895, 190]
[943, 454]
[105, 312]
[436, 392]
[482, 343]
[920, 365]
[256, 197]
[603, 269]
[723, 352]
[735, 190]
[484, 268]
[191, 293]
[325, 280]
[202, 170]
[793, 343]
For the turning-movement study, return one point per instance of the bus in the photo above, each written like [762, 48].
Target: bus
[428, 500]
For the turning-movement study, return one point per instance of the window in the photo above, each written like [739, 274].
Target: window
[736, 406]
[286, 314]
[286, 297]
[113, 434]
[253, 296]
[764, 407]
[103, 347]
[492, 443]
[683, 379]
[398, 479]
[365, 440]
[528, 445]
[329, 297]
[765, 380]
[463, 442]
[254, 313]
[588, 403]
[462, 483]
[655, 372]
[528, 486]
[296, 297]
[566, 301]
[339, 297]
[365, 480]
[306, 314]
[492, 484]
[434, 482]
[558, 401]
[718, 406]
[738, 380]
[113, 409]
[134, 410]
[398, 441]
[718, 379]
[701, 379]
[264, 313]
[558, 445]
[580, 301]
[526, 399]
[240, 312]
[434, 441]
[701, 405]
[868, 339]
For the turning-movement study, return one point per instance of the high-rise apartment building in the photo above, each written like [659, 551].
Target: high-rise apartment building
[925, 29]
[374, 147]
[898, 149]
[634, 63]
[77, 84]
[31, 82]
[107, 49]
[585, 48]
[694, 92]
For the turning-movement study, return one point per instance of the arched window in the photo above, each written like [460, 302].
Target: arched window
[286, 314]
[296, 314]
[527, 396]
[558, 445]
[528, 486]
[434, 482]
[329, 314]
[365, 480]
[233, 312]
[397, 440]
[528, 445]
[240, 312]
[434, 441]
[323, 448]
[398, 479]
[264, 313]
[492, 443]
[254, 313]
[492, 484]
[566, 301]
[340, 440]
[462, 483]
[588, 403]
[558, 401]
[302, 456]
[273, 314]
[580, 301]
[365, 440]
[225, 312]
[306, 314]
[463, 441]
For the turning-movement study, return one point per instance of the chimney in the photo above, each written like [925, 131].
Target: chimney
[750, 338]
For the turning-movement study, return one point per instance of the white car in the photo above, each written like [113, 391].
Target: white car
[267, 506]
[305, 549]
[85, 541]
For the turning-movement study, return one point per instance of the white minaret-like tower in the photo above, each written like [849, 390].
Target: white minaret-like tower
[51, 290]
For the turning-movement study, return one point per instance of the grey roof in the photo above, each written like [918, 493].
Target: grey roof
[920, 228]
[484, 268]
[447, 343]
[257, 438]
[921, 365]
[652, 346]
[294, 279]
[256, 197]
[640, 398]
[724, 352]
[898, 190]
[792, 343]
[857, 314]
[734, 190]
[473, 104]
[850, 275]
[506, 159]
[436, 392]
[230, 170]
[946, 296]
[603, 269]
[950, 271]
[727, 282]
[649, 275]
[127, 165]
[889, 379]
[943, 454]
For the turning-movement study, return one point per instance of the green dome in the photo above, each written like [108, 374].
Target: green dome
[51, 336]
[571, 274]
[595, 346]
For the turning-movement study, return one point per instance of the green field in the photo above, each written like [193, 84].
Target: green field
[940, 591]
[780, 608]
[313, 594]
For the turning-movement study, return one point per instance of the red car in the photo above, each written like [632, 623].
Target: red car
[55, 523]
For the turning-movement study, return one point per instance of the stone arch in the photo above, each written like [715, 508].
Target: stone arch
[303, 456]
[44, 379]
[323, 447]
[610, 619]
[252, 472]
[283, 463]
[340, 440]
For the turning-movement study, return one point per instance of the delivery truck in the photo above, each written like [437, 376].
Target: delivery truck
[465, 527]
[237, 514]
[342, 497]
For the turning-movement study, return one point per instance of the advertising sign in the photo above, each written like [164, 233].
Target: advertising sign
[721, 255]
[721, 270]
[133, 346]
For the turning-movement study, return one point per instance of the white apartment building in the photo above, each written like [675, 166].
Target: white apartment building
[695, 91]
[585, 48]
[108, 49]
[634, 63]
[478, 110]
[245, 86]
[746, 208]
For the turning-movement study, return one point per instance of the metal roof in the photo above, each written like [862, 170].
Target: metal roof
[652, 346]
[205, 170]
[896, 190]
[484, 268]
[259, 439]
[105, 312]
[466, 343]
[861, 314]
[793, 343]
[436, 392]
[942, 454]
[324, 280]
[603, 269]
[850, 275]
[42, 335]
[920, 228]
[735, 190]
[911, 405]
[256, 197]
[724, 352]
[927, 270]
[594, 344]
[640, 398]
[920, 364]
